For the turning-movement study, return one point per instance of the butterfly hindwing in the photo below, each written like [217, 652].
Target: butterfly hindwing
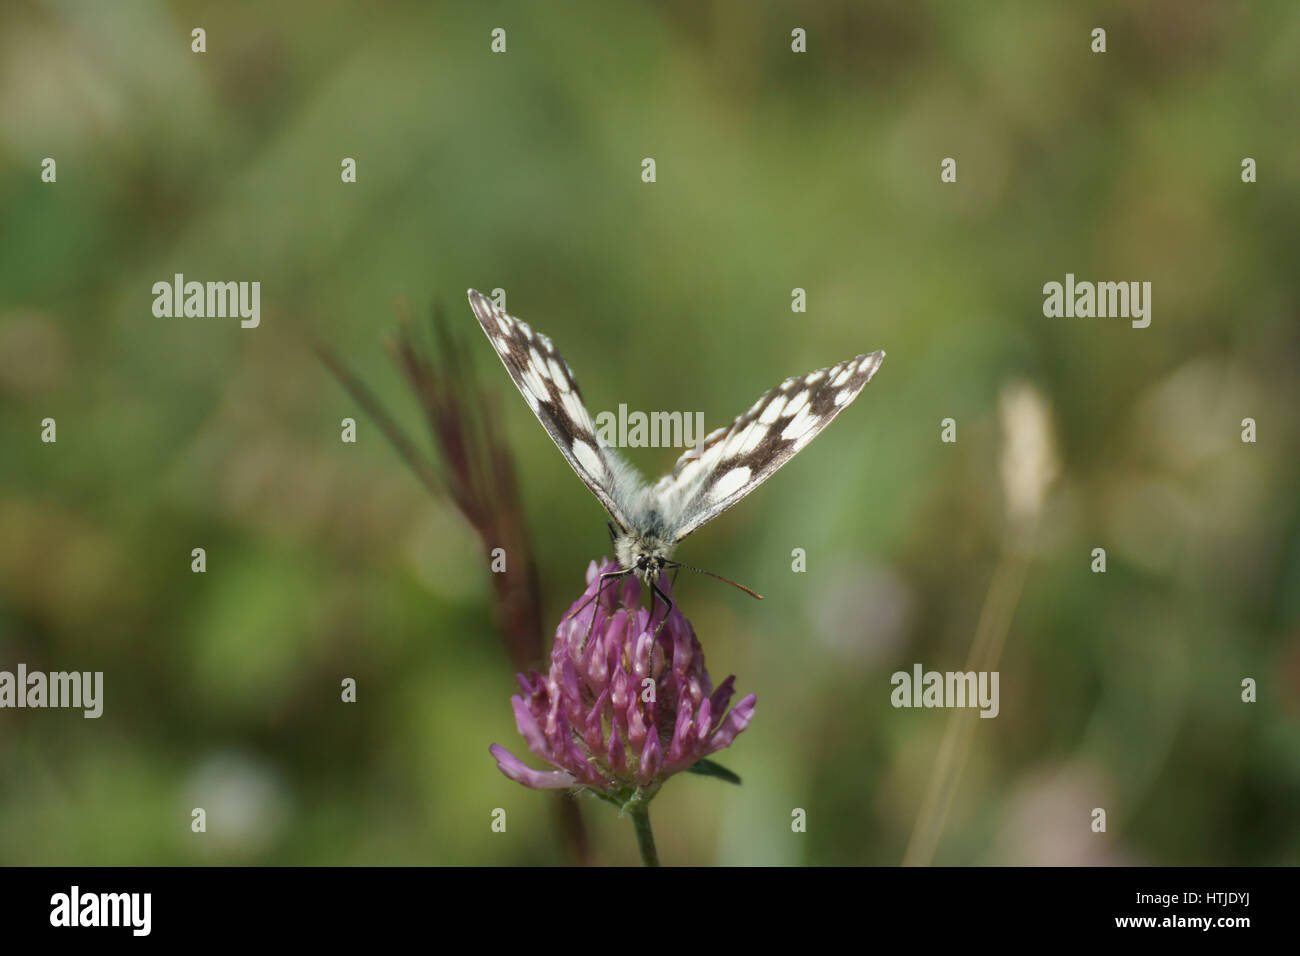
[547, 384]
[733, 461]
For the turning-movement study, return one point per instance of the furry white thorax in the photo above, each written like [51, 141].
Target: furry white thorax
[645, 545]
[648, 510]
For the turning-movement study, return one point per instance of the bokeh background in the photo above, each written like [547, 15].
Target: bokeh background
[775, 170]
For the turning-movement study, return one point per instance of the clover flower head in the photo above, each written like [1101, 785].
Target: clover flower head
[621, 708]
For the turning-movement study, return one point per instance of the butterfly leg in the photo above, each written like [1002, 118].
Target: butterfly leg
[600, 588]
[668, 606]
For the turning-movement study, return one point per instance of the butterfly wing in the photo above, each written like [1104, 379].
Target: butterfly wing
[547, 384]
[731, 462]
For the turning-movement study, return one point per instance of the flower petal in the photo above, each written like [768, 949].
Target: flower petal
[520, 772]
[735, 722]
[722, 697]
[529, 729]
[652, 761]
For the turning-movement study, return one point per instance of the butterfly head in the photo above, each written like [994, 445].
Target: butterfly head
[644, 554]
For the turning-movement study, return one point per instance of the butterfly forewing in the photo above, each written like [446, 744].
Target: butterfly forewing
[548, 385]
[734, 461]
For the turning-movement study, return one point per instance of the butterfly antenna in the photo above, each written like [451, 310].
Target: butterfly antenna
[734, 584]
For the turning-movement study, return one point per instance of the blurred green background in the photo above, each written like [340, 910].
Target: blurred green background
[776, 170]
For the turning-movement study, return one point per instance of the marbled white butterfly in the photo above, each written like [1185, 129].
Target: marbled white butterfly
[649, 520]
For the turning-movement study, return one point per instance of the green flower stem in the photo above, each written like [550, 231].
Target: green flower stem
[645, 838]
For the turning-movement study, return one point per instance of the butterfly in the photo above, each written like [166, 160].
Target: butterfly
[649, 521]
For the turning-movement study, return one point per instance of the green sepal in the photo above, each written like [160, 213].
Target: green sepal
[707, 768]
